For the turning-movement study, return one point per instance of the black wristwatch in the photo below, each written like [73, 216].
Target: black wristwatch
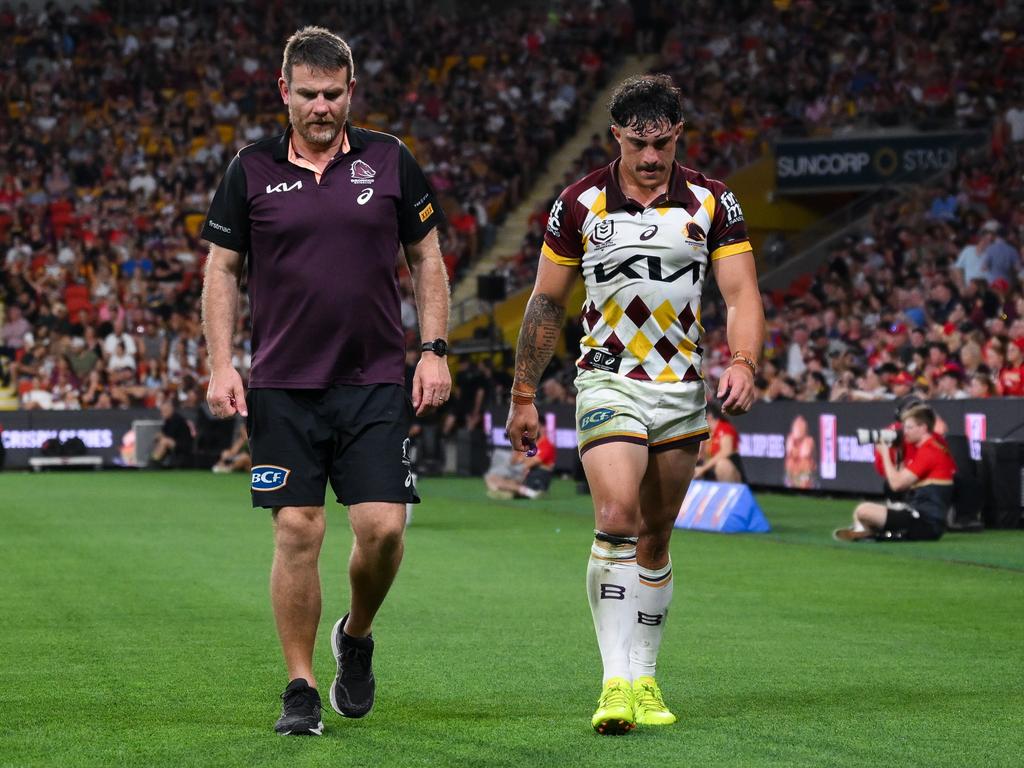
[438, 346]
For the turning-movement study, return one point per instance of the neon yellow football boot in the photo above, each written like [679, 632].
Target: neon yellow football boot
[614, 715]
[648, 703]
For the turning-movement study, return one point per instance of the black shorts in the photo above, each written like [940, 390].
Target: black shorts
[538, 479]
[904, 523]
[737, 462]
[356, 437]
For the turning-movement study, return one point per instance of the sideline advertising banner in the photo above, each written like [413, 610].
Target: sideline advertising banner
[24, 432]
[810, 445]
[836, 165]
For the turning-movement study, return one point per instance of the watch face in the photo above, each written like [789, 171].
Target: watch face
[440, 347]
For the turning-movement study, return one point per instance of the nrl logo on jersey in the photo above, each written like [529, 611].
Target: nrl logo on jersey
[603, 234]
[362, 173]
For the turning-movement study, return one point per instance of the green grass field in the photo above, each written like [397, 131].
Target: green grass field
[136, 631]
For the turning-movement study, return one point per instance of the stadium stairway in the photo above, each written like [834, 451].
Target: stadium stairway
[8, 399]
[467, 312]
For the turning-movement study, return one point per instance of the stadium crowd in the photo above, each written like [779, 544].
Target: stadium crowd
[117, 128]
[929, 297]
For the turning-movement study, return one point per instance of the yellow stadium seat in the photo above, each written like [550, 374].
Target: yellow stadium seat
[194, 223]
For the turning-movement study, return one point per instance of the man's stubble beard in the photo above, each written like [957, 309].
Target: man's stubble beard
[318, 135]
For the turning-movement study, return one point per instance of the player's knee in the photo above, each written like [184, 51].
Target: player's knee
[653, 547]
[298, 528]
[384, 538]
[617, 518]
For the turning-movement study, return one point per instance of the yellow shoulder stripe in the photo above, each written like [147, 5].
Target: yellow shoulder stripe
[558, 258]
[731, 250]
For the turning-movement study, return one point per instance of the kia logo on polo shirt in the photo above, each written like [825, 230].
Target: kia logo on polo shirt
[267, 477]
[283, 187]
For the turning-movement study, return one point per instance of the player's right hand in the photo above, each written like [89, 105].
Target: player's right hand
[523, 426]
[226, 393]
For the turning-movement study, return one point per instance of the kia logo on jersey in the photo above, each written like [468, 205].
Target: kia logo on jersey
[267, 477]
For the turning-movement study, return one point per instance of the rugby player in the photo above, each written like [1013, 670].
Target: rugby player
[643, 231]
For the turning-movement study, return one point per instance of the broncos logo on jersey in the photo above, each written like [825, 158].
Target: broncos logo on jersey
[694, 232]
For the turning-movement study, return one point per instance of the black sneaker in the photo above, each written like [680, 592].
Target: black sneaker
[353, 688]
[300, 713]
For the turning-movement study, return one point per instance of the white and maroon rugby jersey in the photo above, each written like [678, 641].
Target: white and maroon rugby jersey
[644, 268]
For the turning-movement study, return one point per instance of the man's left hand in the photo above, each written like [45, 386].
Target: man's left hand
[431, 384]
[737, 387]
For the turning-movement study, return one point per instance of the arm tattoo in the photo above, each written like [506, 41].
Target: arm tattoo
[542, 325]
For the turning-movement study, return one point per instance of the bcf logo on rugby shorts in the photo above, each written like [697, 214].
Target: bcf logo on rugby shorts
[267, 477]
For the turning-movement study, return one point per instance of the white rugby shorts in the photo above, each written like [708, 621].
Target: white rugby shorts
[610, 408]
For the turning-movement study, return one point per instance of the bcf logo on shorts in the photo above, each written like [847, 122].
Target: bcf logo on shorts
[267, 477]
[595, 417]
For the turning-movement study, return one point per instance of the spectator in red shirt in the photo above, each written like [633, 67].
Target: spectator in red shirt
[722, 459]
[1011, 377]
[541, 468]
[523, 476]
[926, 474]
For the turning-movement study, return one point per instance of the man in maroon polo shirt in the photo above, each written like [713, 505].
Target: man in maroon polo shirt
[319, 215]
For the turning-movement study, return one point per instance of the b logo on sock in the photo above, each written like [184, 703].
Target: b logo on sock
[650, 619]
[613, 592]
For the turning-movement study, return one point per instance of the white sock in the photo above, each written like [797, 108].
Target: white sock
[858, 526]
[653, 595]
[611, 584]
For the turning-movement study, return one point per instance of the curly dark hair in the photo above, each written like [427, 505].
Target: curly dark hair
[645, 103]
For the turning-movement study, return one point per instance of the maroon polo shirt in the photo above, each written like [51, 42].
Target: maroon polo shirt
[323, 258]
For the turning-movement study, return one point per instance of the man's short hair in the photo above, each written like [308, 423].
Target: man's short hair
[922, 414]
[645, 103]
[319, 49]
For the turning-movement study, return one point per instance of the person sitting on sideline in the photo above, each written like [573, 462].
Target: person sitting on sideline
[235, 458]
[721, 460]
[522, 476]
[927, 476]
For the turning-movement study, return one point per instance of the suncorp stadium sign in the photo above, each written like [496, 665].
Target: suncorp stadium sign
[854, 163]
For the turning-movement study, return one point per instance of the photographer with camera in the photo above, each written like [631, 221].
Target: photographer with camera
[925, 473]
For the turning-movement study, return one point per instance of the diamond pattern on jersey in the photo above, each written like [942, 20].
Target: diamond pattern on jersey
[686, 318]
[640, 345]
[614, 345]
[665, 315]
[666, 348]
[656, 339]
[638, 312]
